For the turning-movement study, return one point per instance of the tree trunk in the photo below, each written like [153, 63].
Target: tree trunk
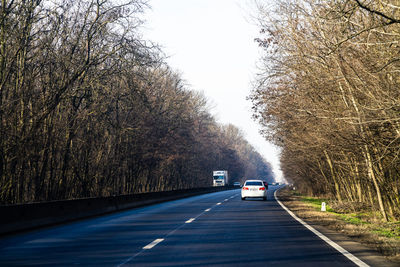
[372, 176]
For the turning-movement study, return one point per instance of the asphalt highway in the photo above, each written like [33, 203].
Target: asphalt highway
[217, 229]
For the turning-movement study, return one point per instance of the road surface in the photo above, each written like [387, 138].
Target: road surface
[213, 229]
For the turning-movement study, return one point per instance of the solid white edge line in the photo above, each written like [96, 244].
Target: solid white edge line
[190, 220]
[154, 243]
[347, 254]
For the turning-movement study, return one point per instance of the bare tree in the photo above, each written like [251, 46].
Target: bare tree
[328, 95]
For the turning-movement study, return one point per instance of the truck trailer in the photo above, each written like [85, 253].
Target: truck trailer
[220, 178]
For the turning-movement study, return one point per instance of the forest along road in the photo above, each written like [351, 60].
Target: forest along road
[211, 229]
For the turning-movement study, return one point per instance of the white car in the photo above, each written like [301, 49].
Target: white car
[254, 189]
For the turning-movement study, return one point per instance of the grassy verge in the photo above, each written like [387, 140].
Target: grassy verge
[363, 225]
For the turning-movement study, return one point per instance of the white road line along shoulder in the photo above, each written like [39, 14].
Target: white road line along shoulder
[347, 254]
[154, 243]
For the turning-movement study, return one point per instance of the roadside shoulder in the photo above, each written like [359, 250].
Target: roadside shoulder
[361, 251]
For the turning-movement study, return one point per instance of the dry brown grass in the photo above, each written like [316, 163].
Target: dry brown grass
[367, 230]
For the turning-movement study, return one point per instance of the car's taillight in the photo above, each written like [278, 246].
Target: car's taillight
[245, 188]
[262, 188]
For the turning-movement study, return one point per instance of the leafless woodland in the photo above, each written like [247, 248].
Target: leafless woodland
[88, 108]
[328, 93]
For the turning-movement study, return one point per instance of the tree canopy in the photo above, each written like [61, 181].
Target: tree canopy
[89, 108]
[329, 94]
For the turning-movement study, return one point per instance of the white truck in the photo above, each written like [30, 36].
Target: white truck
[220, 178]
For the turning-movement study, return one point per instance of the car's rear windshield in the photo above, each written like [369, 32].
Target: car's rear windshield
[254, 183]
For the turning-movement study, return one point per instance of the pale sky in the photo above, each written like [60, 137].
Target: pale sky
[211, 43]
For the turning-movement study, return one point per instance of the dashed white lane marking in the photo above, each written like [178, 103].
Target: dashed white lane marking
[159, 240]
[154, 243]
[347, 254]
[226, 199]
[190, 220]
